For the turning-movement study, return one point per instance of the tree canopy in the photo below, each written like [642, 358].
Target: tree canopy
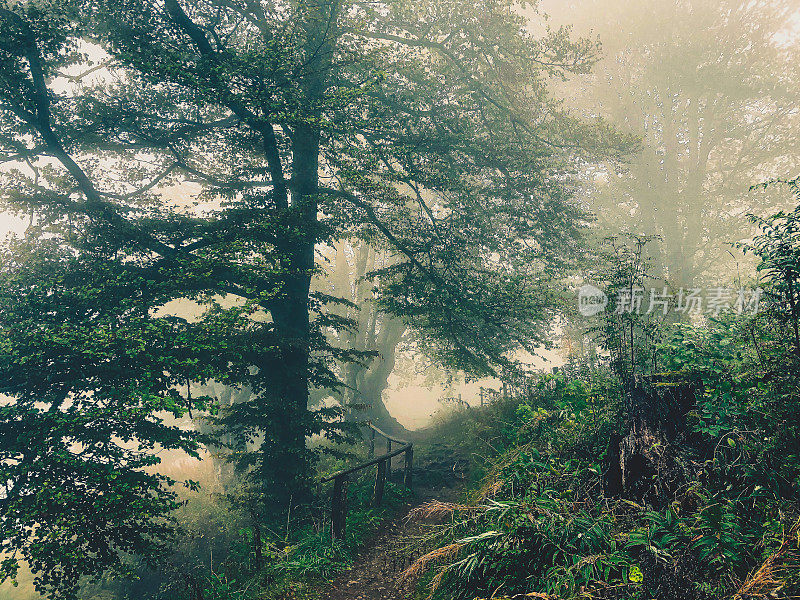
[207, 150]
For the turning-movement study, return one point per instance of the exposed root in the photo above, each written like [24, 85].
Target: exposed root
[651, 468]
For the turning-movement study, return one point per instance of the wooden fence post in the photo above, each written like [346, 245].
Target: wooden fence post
[384, 464]
[380, 481]
[409, 466]
[371, 442]
[339, 508]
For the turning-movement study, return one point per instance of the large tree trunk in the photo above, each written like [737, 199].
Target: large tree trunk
[367, 382]
[375, 380]
[292, 422]
[287, 462]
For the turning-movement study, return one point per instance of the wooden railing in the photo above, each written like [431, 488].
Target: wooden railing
[384, 462]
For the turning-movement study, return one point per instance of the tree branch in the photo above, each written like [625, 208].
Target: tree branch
[373, 218]
[260, 124]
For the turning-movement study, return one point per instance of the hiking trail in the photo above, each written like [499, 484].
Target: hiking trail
[376, 571]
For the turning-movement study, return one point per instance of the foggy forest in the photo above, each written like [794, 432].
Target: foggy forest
[399, 299]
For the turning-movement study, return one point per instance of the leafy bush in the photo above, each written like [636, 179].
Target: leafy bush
[540, 523]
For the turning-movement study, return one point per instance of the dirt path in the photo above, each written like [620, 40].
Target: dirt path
[375, 574]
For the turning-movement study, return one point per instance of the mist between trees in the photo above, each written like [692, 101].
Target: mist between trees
[239, 226]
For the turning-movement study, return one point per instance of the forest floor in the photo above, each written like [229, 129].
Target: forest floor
[376, 572]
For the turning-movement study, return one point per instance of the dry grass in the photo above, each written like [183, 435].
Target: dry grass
[436, 510]
[586, 560]
[538, 595]
[447, 553]
[491, 488]
[440, 554]
[493, 483]
[769, 578]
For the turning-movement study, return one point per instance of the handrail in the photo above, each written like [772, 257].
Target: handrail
[386, 435]
[366, 464]
[384, 462]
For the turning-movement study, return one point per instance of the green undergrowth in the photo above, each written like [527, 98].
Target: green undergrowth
[214, 558]
[537, 523]
[459, 445]
[302, 567]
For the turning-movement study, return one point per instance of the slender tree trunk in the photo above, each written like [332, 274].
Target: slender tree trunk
[795, 317]
[257, 547]
[376, 380]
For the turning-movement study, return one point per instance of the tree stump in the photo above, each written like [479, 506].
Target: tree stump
[648, 463]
